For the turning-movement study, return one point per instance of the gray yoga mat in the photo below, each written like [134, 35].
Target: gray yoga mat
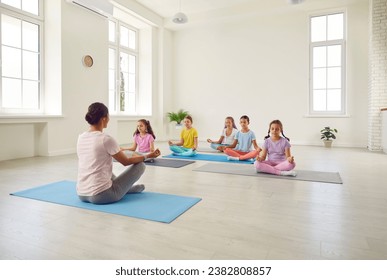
[245, 170]
[174, 163]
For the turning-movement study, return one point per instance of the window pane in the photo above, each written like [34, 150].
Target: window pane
[30, 66]
[30, 94]
[318, 29]
[124, 62]
[336, 27]
[125, 53]
[334, 55]
[319, 57]
[319, 100]
[112, 101]
[319, 78]
[132, 83]
[132, 39]
[125, 77]
[112, 59]
[30, 36]
[112, 31]
[31, 6]
[123, 80]
[10, 31]
[11, 93]
[328, 63]
[132, 64]
[12, 3]
[11, 62]
[334, 100]
[124, 36]
[112, 79]
[131, 107]
[334, 77]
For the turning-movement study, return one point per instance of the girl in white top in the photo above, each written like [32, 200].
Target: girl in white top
[96, 182]
[227, 137]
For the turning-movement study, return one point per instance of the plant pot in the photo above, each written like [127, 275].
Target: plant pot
[178, 126]
[327, 143]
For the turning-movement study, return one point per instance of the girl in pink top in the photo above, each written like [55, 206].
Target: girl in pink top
[277, 149]
[143, 138]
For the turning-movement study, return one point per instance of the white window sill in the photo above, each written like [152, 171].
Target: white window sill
[129, 118]
[326, 116]
[28, 118]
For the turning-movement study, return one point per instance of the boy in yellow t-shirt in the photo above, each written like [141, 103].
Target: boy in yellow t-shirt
[188, 140]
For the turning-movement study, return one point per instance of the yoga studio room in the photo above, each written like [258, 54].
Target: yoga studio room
[193, 130]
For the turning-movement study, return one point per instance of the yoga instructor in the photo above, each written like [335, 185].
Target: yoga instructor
[96, 181]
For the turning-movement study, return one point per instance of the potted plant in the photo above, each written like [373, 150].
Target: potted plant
[177, 117]
[327, 134]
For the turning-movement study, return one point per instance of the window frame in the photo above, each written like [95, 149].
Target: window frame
[34, 19]
[118, 48]
[327, 43]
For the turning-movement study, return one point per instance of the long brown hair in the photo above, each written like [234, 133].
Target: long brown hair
[232, 121]
[147, 126]
[281, 127]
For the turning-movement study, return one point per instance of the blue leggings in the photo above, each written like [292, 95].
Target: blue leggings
[181, 151]
[216, 146]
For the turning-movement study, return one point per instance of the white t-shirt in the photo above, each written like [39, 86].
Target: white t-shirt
[229, 139]
[95, 164]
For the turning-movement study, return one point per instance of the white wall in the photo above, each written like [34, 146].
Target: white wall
[259, 66]
[80, 85]
[254, 65]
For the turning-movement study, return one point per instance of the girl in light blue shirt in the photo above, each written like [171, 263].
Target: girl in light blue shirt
[240, 149]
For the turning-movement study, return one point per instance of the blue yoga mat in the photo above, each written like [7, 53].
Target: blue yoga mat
[146, 205]
[208, 157]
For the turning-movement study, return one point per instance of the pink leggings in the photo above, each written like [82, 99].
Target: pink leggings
[272, 167]
[241, 155]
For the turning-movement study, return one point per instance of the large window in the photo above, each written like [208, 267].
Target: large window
[327, 64]
[123, 68]
[21, 31]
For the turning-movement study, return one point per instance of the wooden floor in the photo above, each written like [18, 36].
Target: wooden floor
[240, 217]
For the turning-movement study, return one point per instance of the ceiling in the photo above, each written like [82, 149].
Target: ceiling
[167, 8]
[201, 10]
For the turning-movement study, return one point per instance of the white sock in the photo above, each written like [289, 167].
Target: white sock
[289, 173]
[232, 158]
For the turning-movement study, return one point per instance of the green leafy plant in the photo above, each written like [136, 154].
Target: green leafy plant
[178, 116]
[328, 133]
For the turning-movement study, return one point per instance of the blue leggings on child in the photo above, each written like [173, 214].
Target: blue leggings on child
[181, 151]
[216, 146]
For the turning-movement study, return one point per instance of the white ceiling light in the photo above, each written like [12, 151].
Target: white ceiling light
[294, 2]
[180, 17]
